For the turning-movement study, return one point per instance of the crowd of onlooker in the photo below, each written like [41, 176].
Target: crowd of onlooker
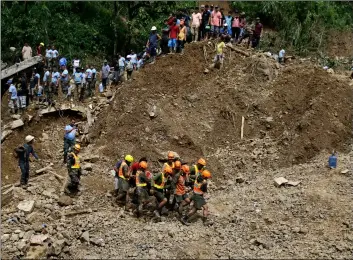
[196, 24]
[199, 24]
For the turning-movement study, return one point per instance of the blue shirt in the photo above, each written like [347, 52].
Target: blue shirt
[62, 62]
[36, 78]
[54, 77]
[105, 71]
[13, 91]
[139, 63]
[122, 62]
[64, 75]
[24, 157]
[46, 75]
[89, 73]
[71, 136]
[78, 77]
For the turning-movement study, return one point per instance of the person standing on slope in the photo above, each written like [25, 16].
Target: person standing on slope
[74, 171]
[69, 138]
[152, 43]
[198, 197]
[23, 153]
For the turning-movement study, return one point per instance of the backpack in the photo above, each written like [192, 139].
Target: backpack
[19, 151]
[129, 66]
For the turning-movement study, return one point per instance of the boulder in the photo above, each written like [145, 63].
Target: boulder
[45, 136]
[22, 245]
[16, 117]
[49, 192]
[5, 237]
[14, 237]
[5, 134]
[56, 247]
[65, 201]
[91, 158]
[37, 252]
[38, 239]
[26, 206]
[85, 237]
[97, 241]
[87, 167]
[28, 234]
[17, 123]
[280, 181]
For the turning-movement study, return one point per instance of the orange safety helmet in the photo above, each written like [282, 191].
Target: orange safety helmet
[170, 155]
[177, 165]
[143, 165]
[201, 161]
[185, 168]
[206, 174]
[168, 169]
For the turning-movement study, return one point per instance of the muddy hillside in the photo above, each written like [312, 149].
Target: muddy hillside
[294, 116]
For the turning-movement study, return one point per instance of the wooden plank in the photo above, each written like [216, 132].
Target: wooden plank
[8, 72]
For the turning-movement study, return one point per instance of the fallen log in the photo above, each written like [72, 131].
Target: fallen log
[58, 177]
[229, 45]
[77, 212]
[47, 168]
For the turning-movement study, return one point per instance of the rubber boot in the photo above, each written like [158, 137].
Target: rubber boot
[157, 214]
[184, 220]
[171, 198]
[170, 51]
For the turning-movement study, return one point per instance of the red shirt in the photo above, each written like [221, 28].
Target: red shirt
[258, 29]
[170, 20]
[134, 167]
[173, 31]
[39, 50]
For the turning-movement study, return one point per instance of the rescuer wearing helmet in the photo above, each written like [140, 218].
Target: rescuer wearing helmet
[159, 185]
[181, 196]
[23, 154]
[200, 189]
[74, 170]
[124, 174]
[172, 181]
[170, 162]
[196, 169]
[141, 187]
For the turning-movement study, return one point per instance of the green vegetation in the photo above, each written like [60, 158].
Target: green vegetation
[81, 28]
[300, 26]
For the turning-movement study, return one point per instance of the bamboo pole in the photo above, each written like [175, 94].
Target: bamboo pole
[242, 128]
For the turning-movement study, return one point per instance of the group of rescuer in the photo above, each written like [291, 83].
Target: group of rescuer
[177, 186]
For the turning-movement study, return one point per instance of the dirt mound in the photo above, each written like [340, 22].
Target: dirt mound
[294, 117]
[198, 113]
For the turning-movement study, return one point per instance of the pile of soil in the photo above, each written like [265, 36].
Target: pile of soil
[292, 121]
[302, 108]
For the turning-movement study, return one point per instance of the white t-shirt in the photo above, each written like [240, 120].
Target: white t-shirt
[133, 58]
[281, 53]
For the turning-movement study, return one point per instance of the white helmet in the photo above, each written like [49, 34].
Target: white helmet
[154, 28]
[29, 138]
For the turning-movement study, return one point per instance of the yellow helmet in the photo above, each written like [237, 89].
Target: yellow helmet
[129, 158]
[77, 147]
